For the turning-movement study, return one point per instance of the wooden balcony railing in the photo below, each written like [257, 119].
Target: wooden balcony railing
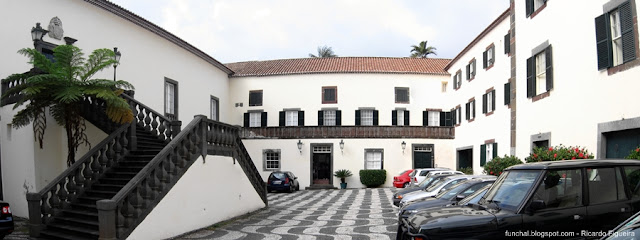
[349, 132]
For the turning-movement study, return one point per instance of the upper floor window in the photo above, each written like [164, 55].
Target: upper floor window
[488, 57]
[616, 43]
[540, 73]
[329, 117]
[215, 109]
[255, 119]
[366, 117]
[329, 95]
[444, 86]
[291, 118]
[471, 70]
[171, 99]
[402, 95]
[437, 118]
[471, 110]
[457, 116]
[400, 117]
[533, 6]
[489, 101]
[507, 43]
[457, 80]
[255, 98]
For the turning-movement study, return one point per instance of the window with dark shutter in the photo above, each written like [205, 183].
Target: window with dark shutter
[468, 111]
[531, 74]
[484, 103]
[507, 43]
[549, 67]
[338, 118]
[406, 118]
[375, 117]
[394, 117]
[357, 117]
[255, 98]
[468, 71]
[281, 119]
[602, 42]
[507, 93]
[321, 118]
[329, 95]
[483, 155]
[263, 119]
[615, 37]
[425, 118]
[484, 60]
[493, 100]
[301, 118]
[443, 119]
[626, 28]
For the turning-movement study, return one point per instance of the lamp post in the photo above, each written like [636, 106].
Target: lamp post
[37, 33]
[116, 57]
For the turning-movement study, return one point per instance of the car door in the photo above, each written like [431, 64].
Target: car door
[608, 202]
[563, 207]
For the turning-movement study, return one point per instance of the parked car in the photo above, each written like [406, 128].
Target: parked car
[427, 173]
[403, 179]
[441, 185]
[282, 180]
[426, 183]
[6, 220]
[548, 197]
[445, 198]
[421, 173]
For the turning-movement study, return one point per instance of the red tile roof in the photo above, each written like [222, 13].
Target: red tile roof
[340, 65]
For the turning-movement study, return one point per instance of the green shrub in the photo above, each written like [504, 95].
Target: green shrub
[634, 154]
[466, 170]
[558, 153]
[373, 178]
[498, 164]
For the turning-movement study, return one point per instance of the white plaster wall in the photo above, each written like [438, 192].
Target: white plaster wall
[354, 91]
[351, 158]
[483, 127]
[146, 60]
[582, 96]
[207, 193]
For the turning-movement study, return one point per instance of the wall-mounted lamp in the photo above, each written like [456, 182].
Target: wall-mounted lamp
[341, 145]
[37, 33]
[403, 145]
[300, 146]
[116, 57]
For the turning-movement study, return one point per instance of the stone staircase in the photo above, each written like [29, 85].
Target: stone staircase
[80, 221]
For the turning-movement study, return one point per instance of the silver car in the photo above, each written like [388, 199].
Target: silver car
[442, 185]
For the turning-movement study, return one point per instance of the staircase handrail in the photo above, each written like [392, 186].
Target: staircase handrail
[159, 124]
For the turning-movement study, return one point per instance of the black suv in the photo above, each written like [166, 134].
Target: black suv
[559, 199]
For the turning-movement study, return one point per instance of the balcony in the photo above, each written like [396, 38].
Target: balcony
[348, 132]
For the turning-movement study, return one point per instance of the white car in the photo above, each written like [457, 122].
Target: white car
[436, 187]
[423, 173]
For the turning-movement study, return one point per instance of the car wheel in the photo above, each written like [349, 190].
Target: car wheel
[298, 187]
[291, 188]
[406, 185]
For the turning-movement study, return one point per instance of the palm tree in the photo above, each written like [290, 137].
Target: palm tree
[324, 52]
[422, 51]
[65, 83]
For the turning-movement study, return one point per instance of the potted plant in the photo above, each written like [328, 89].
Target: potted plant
[342, 174]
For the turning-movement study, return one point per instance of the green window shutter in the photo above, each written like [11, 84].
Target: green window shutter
[357, 117]
[483, 155]
[455, 116]
[473, 113]
[602, 42]
[375, 117]
[468, 71]
[448, 120]
[507, 43]
[301, 118]
[281, 118]
[484, 60]
[443, 119]
[394, 117]
[484, 103]
[467, 111]
[455, 83]
[628, 36]
[338, 118]
[425, 118]
[493, 103]
[495, 150]
[474, 68]
[320, 118]
[507, 93]
[549, 72]
[246, 120]
[531, 80]
[263, 119]
[529, 7]
[406, 118]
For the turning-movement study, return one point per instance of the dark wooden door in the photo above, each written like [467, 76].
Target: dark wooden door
[621, 143]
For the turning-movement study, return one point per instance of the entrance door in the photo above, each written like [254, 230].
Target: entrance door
[465, 158]
[423, 156]
[621, 143]
[321, 165]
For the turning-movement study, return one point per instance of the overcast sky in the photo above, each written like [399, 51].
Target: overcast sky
[245, 30]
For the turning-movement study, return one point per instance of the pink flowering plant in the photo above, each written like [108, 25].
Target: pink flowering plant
[557, 153]
[498, 164]
[634, 154]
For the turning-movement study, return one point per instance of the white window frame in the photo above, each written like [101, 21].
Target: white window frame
[170, 94]
[291, 118]
[489, 152]
[366, 117]
[400, 117]
[616, 37]
[434, 118]
[490, 102]
[329, 118]
[541, 72]
[215, 109]
[444, 86]
[373, 159]
[255, 119]
[490, 56]
[270, 158]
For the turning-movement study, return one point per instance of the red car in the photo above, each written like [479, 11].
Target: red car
[403, 180]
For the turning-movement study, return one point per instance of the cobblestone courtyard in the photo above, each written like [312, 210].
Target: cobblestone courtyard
[318, 214]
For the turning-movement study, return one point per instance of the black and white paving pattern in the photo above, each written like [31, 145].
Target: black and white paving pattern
[316, 214]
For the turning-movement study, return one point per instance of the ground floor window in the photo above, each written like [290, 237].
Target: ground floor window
[373, 158]
[271, 159]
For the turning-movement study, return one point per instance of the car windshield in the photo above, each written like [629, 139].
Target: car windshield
[437, 183]
[453, 192]
[427, 182]
[280, 176]
[474, 197]
[510, 189]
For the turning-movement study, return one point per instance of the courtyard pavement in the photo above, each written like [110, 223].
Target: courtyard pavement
[315, 214]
